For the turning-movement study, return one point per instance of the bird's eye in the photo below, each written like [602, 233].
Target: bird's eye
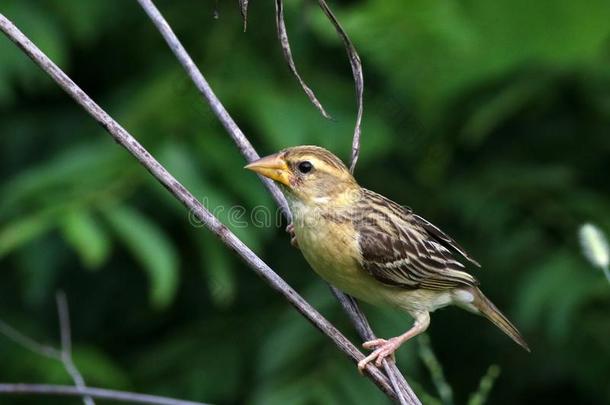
[305, 167]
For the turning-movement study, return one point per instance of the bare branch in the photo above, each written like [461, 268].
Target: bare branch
[403, 390]
[99, 393]
[354, 60]
[121, 136]
[29, 343]
[64, 355]
[282, 34]
[66, 345]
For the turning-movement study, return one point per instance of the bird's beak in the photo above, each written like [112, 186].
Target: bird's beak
[273, 167]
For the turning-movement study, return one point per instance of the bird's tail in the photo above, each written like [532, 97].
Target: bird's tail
[489, 310]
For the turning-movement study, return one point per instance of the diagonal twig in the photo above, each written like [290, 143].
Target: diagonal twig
[121, 136]
[29, 343]
[243, 144]
[240, 140]
[99, 393]
[401, 387]
[403, 390]
[282, 34]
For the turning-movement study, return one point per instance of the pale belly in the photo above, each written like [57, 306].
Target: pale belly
[334, 256]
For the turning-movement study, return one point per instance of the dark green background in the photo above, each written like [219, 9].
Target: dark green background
[490, 118]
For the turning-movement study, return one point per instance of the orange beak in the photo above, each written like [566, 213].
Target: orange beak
[273, 167]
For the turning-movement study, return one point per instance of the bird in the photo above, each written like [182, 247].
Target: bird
[372, 248]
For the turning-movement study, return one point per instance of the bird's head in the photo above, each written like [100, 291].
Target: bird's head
[308, 174]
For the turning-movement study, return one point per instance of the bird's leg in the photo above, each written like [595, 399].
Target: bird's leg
[293, 237]
[384, 348]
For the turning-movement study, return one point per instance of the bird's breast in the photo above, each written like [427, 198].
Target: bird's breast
[328, 245]
[331, 249]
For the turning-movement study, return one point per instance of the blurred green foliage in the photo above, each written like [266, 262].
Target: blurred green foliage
[492, 119]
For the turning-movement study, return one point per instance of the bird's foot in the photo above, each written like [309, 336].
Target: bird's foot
[293, 237]
[382, 348]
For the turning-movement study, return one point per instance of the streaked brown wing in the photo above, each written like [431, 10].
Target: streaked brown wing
[400, 248]
[444, 239]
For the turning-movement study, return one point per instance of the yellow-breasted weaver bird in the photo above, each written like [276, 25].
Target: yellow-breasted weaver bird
[373, 248]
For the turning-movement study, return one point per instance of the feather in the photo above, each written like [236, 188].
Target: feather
[402, 249]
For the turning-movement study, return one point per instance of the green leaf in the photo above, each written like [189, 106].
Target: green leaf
[149, 245]
[81, 230]
[23, 230]
[62, 177]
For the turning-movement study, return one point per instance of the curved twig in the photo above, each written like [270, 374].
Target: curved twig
[356, 64]
[282, 34]
[99, 393]
[29, 343]
[121, 136]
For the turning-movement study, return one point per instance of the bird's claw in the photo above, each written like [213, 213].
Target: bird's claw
[293, 237]
[382, 348]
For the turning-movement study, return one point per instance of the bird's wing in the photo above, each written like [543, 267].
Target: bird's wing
[443, 238]
[402, 249]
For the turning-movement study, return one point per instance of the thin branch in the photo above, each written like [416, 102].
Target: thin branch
[65, 331]
[66, 345]
[63, 356]
[349, 305]
[29, 343]
[402, 388]
[356, 63]
[121, 136]
[282, 34]
[99, 393]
